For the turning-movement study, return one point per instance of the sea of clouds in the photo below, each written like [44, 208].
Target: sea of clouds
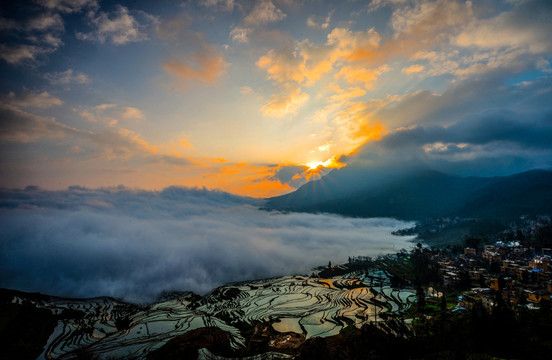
[135, 244]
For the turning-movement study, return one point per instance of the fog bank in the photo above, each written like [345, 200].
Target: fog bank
[134, 244]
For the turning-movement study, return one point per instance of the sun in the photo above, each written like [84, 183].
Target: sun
[330, 163]
[314, 164]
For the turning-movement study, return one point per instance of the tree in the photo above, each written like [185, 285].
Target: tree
[544, 237]
[501, 282]
[443, 303]
[420, 298]
[472, 242]
[464, 281]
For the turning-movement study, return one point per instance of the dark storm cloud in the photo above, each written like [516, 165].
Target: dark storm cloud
[497, 144]
[285, 174]
[469, 98]
[527, 130]
[298, 175]
[478, 127]
[135, 244]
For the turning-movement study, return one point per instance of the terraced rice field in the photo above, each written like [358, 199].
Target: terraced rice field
[298, 304]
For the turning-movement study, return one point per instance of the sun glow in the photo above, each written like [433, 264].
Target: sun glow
[330, 163]
[314, 164]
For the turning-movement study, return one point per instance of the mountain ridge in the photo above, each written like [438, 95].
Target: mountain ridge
[415, 193]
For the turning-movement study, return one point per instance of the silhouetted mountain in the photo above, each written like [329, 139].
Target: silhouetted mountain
[416, 192]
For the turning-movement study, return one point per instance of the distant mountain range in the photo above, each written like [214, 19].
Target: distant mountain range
[414, 192]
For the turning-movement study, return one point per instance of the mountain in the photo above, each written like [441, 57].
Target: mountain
[416, 192]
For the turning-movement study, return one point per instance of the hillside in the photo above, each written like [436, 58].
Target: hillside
[416, 193]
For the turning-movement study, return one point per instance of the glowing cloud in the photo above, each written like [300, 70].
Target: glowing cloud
[206, 66]
[285, 103]
[412, 69]
[360, 75]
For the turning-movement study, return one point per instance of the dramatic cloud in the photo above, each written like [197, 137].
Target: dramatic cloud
[318, 23]
[119, 27]
[68, 6]
[18, 54]
[267, 85]
[412, 69]
[464, 99]
[376, 4]
[264, 12]
[108, 142]
[31, 37]
[526, 26]
[135, 244]
[110, 114]
[490, 143]
[205, 66]
[430, 17]
[67, 77]
[27, 98]
[297, 176]
[45, 22]
[288, 102]
[302, 64]
[119, 143]
[360, 75]
[17, 125]
[222, 5]
[192, 59]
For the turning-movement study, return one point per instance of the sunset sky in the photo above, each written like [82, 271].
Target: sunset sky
[245, 96]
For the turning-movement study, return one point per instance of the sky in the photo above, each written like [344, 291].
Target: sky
[257, 97]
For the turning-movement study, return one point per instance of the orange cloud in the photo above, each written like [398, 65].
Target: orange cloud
[132, 113]
[110, 114]
[263, 189]
[347, 42]
[316, 169]
[283, 65]
[356, 125]
[346, 95]
[184, 142]
[303, 63]
[419, 27]
[119, 143]
[427, 18]
[205, 66]
[361, 75]
[413, 69]
[247, 180]
[285, 103]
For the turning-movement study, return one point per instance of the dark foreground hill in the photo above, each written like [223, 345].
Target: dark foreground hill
[417, 193]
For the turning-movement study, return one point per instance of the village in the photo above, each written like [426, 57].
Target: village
[522, 278]
[516, 267]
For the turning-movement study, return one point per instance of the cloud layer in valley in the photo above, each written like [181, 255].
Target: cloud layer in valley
[135, 244]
